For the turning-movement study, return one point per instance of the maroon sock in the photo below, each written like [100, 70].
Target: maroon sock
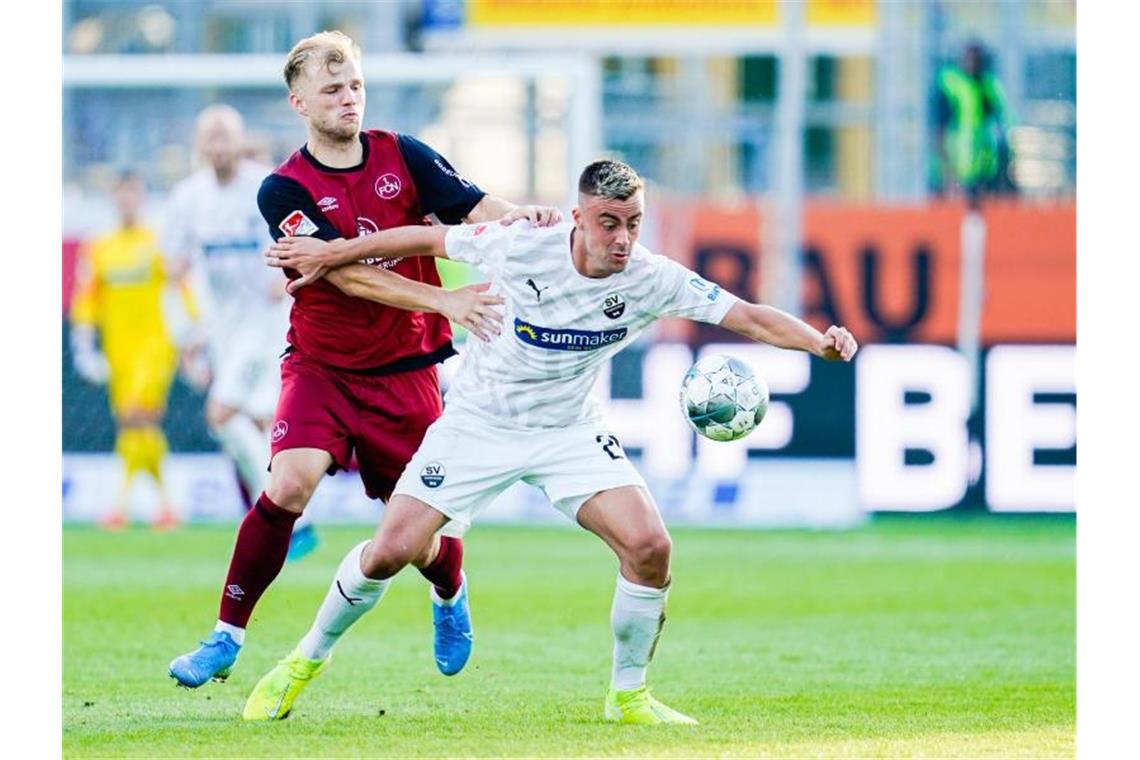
[259, 554]
[443, 572]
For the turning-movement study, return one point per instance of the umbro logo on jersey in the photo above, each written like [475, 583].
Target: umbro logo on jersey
[387, 186]
[297, 224]
[328, 203]
[614, 305]
[537, 290]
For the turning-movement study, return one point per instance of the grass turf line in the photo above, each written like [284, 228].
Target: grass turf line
[910, 637]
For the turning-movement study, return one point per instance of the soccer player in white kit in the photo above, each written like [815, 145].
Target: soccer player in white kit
[520, 409]
[215, 234]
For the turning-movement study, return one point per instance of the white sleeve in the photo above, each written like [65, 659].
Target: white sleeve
[177, 243]
[684, 293]
[485, 245]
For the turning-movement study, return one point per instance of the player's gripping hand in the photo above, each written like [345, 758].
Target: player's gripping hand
[539, 216]
[473, 308]
[308, 256]
[838, 343]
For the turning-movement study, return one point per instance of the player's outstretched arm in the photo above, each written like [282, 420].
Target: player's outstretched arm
[767, 324]
[492, 207]
[470, 307]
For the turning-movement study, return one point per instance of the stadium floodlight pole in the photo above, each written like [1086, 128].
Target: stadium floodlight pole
[789, 186]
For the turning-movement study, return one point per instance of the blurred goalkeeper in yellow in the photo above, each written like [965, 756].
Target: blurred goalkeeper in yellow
[120, 286]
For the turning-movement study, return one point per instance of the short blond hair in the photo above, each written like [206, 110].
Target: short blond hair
[325, 47]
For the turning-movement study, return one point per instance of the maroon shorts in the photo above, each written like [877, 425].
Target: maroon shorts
[381, 419]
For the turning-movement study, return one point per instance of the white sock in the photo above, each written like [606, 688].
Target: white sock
[248, 446]
[637, 616]
[350, 596]
[237, 634]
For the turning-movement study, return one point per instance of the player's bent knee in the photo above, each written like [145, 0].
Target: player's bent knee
[649, 558]
[383, 559]
[289, 489]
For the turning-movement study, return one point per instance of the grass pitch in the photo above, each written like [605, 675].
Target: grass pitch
[931, 637]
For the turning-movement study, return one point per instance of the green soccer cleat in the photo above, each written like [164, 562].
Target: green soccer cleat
[272, 698]
[638, 707]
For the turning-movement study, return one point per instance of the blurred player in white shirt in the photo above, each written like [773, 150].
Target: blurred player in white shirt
[520, 409]
[215, 235]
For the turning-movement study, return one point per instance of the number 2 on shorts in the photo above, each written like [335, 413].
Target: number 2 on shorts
[609, 443]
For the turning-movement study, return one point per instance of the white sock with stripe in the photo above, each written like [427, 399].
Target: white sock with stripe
[350, 596]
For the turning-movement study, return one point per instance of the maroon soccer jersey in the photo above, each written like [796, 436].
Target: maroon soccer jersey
[399, 181]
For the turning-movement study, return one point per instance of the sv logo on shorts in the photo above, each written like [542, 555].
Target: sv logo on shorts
[433, 474]
[280, 428]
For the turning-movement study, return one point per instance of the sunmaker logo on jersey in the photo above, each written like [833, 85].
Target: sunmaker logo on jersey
[566, 340]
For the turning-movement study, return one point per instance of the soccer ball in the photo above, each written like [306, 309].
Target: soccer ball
[722, 398]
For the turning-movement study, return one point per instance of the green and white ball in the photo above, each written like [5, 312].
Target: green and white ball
[722, 398]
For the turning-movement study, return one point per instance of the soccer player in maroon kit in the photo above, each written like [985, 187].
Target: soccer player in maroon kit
[358, 376]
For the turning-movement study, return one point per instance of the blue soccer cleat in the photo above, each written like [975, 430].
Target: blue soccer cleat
[303, 541]
[453, 636]
[214, 659]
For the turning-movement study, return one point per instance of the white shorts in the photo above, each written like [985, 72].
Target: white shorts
[464, 463]
[247, 373]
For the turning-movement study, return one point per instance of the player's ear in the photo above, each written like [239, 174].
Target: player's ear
[297, 103]
[577, 217]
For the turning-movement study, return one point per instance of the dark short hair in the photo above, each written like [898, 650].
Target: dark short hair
[610, 179]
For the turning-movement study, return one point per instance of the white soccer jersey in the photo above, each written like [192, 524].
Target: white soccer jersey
[222, 230]
[560, 326]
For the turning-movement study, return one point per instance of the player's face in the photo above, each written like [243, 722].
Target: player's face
[128, 198]
[331, 97]
[220, 143]
[609, 228]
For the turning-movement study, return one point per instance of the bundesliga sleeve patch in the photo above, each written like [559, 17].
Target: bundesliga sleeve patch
[297, 224]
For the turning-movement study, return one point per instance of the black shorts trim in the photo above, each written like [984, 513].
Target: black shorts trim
[407, 364]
